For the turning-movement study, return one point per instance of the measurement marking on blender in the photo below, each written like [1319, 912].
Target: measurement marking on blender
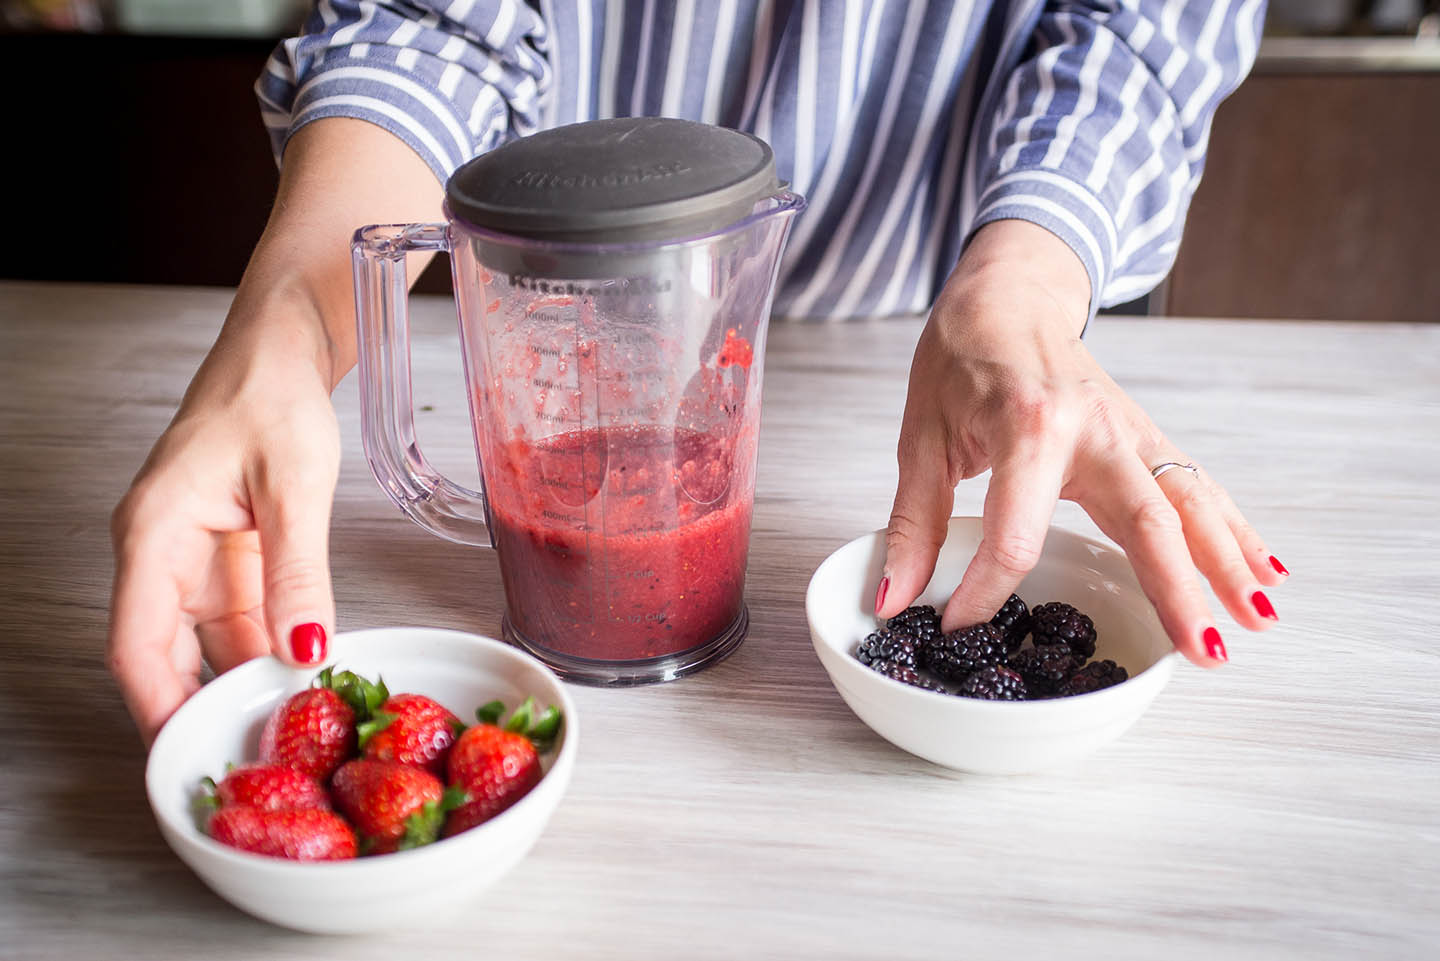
[585, 472]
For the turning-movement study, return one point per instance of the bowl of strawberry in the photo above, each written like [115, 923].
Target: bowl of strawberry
[406, 776]
[1032, 688]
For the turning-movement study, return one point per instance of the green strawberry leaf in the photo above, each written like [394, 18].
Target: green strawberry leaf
[545, 729]
[454, 797]
[519, 722]
[204, 804]
[541, 727]
[365, 730]
[457, 726]
[363, 695]
[423, 827]
[490, 713]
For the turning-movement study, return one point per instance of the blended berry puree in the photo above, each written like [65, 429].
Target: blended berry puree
[623, 543]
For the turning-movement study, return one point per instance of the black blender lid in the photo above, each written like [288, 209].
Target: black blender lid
[635, 179]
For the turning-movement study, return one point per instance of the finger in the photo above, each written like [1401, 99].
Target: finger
[1131, 509]
[1214, 550]
[233, 639]
[233, 578]
[1019, 504]
[919, 521]
[1264, 565]
[144, 624]
[292, 516]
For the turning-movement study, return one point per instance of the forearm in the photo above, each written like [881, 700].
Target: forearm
[296, 301]
[367, 137]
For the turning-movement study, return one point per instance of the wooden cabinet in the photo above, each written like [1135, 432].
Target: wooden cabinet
[1321, 199]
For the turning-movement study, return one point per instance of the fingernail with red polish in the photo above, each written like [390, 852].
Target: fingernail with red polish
[307, 642]
[1279, 568]
[1213, 645]
[1263, 607]
[880, 594]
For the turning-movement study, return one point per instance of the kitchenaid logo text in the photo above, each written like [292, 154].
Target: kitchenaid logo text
[545, 180]
[619, 287]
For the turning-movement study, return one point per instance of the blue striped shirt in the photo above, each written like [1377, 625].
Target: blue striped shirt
[907, 124]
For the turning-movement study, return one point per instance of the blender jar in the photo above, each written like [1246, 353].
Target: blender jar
[613, 281]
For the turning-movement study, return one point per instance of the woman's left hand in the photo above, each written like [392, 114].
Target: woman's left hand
[1001, 381]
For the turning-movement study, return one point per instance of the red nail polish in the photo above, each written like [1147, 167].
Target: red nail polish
[1263, 607]
[1213, 645]
[1279, 568]
[307, 642]
[880, 594]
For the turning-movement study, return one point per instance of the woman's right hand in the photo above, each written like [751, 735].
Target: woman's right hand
[221, 541]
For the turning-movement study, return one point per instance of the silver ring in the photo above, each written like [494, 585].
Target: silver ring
[1170, 465]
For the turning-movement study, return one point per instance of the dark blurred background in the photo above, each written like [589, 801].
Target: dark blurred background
[139, 141]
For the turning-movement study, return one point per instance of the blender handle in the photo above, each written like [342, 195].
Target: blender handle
[422, 493]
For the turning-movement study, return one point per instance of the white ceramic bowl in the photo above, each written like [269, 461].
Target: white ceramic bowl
[994, 737]
[222, 722]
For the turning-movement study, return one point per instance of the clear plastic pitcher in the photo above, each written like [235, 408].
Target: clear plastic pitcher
[614, 282]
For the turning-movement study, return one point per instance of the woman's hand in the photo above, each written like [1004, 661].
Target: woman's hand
[221, 542]
[1001, 380]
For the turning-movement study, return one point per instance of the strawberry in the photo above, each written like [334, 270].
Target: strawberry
[412, 729]
[314, 731]
[393, 806]
[270, 787]
[496, 766]
[306, 835]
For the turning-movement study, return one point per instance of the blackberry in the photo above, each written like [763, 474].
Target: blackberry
[920, 622]
[907, 675]
[1059, 623]
[887, 646]
[963, 652]
[1013, 619]
[994, 683]
[1093, 677]
[1045, 667]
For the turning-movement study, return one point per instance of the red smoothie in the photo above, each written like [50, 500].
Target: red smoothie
[622, 543]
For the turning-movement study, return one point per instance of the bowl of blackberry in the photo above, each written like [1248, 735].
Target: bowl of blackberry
[1070, 661]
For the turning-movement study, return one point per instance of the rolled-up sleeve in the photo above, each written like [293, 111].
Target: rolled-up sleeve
[1100, 132]
[451, 79]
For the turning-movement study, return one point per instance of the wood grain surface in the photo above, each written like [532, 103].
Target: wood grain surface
[1286, 806]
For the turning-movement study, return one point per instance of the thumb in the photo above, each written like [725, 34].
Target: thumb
[292, 516]
[918, 524]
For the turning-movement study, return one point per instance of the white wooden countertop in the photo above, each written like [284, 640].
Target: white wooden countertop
[1286, 806]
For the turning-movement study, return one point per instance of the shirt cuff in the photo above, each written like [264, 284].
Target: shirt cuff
[1067, 209]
